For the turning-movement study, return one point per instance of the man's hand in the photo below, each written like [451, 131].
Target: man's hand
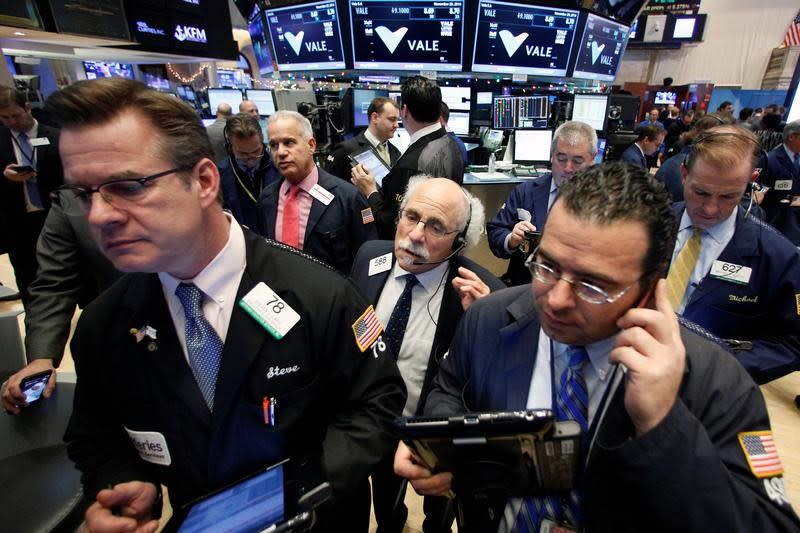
[518, 234]
[409, 466]
[13, 175]
[469, 287]
[126, 507]
[651, 348]
[13, 398]
[363, 180]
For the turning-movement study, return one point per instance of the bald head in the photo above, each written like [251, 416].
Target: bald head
[224, 110]
[249, 107]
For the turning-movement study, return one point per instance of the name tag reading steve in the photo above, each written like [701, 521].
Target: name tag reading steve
[269, 310]
[731, 272]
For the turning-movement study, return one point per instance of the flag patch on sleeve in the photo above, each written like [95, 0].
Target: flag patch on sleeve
[367, 216]
[797, 303]
[367, 328]
[761, 454]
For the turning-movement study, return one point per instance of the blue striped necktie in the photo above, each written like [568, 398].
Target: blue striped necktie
[572, 403]
[202, 342]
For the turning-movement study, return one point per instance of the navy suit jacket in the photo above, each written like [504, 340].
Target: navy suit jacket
[449, 314]
[235, 199]
[691, 461]
[533, 196]
[633, 155]
[763, 311]
[334, 232]
[338, 163]
[781, 215]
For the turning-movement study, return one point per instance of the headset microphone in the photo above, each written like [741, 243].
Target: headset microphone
[440, 261]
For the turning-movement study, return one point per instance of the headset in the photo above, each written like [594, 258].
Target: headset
[460, 242]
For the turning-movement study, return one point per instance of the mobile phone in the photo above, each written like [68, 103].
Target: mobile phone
[33, 386]
[22, 169]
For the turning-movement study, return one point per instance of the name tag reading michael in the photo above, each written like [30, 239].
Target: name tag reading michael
[269, 310]
[731, 272]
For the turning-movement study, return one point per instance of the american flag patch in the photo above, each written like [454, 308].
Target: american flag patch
[367, 328]
[797, 303]
[761, 454]
[366, 216]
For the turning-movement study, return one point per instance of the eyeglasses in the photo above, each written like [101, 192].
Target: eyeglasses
[248, 156]
[117, 193]
[585, 291]
[410, 219]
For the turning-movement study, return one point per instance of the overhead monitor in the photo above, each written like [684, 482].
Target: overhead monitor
[484, 98]
[685, 28]
[155, 76]
[228, 96]
[601, 47]
[666, 97]
[511, 112]
[234, 77]
[456, 98]
[407, 34]
[306, 36]
[258, 36]
[264, 100]
[102, 69]
[626, 10]
[524, 39]
[459, 122]
[361, 100]
[532, 146]
[637, 29]
[289, 98]
[591, 109]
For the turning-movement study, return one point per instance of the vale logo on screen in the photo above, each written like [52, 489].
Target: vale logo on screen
[391, 38]
[295, 41]
[596, 51]
[512, 42]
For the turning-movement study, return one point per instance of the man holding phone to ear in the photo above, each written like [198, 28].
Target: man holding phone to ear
[31, 170]
[672, 424]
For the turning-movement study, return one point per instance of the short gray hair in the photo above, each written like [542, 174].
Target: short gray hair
[306, 131]
[573, 132]
[790, 128]
[472, 215]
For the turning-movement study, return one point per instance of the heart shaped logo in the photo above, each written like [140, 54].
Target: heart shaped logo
[596, 51]
[295, 41]
[512, 42]
[391, 38]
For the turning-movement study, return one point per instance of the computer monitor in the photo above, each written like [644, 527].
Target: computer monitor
[599, 54]
[459, 122]
[306, 36]
[456, 98]
[289, 98]
[407, 34]
[532, 146]
[512, 112]
[229, 96]
[101, 69]
[483, 98]
[524, 39]
[361, 100]
[258, 36]
[601, 151]
[591, 109]
[190, 95]
[666, 97]
[685, 28]
[264, 100]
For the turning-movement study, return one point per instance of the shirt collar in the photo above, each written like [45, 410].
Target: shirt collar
[34, 131]
[371, 138]
[216, 278]
[598, 354]
[424, 131]
[430, 280]
[789, 153]
[720, 233]
[307, 184]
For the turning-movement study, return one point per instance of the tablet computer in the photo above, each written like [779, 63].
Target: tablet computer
[525, 451]
[270, 500]
[372, 162]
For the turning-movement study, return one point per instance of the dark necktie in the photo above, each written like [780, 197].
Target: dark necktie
[31, 185]
[572, 403]
[797, 162]
[202, 342]
[396, 328]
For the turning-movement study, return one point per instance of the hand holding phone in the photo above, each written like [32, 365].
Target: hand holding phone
[22, 169]
[33, 386]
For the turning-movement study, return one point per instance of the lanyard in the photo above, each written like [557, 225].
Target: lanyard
[245, 187]
[31, 158]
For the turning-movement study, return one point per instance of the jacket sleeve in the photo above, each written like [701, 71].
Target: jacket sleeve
[360, 232]
[504, 221]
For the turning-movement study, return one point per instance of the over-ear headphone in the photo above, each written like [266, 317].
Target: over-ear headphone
[460, 241]
[710, 135]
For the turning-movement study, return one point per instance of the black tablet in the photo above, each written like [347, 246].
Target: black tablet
[266, 500]
[372, 162]
[523, 451]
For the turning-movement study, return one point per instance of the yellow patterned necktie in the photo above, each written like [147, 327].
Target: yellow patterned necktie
[384, 153]
[681, 270]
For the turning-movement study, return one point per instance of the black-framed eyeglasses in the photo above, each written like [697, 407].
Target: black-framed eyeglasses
[435, 229]
[585, 291]
[117, 193]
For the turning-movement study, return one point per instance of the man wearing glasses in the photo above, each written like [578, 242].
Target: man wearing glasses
[420, 286]
[247, 170]
[176, 360]
[673, 428]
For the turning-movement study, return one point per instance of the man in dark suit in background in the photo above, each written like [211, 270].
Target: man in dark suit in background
[423, 273]
[782, 200]
[383, 116]
[430, 151]
[172, 369]
[310, 209]
[648, 143]
[25, 193]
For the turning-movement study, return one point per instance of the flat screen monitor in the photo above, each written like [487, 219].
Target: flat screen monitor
[101, 69]
[685, 28]
[229, 96]
[181, 90]
[483, 98]
[457, 98]
[289, 98]
[601, 47]
[190, 96]
[155, 76]
[635, 33]
[666, 97]
[532, 146]
[361, 100]
[407, 34]
[512, 112]
[591, 109]
[258, 36]
[264, 100]
[601, 151]
[459, 122]
[624, 10]
[525, 39]
[232, 77]
[306, 36]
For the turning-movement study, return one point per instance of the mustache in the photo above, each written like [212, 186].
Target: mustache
[415, 248]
